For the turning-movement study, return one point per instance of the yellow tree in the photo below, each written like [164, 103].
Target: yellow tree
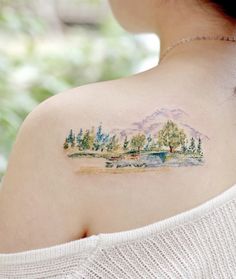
[91, 138]
[138, 141]
[171, 136]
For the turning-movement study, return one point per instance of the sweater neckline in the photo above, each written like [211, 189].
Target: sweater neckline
[88, 245]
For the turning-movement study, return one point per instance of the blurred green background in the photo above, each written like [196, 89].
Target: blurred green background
[49, 46]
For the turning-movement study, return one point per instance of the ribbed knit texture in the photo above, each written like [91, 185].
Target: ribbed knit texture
[198, 243]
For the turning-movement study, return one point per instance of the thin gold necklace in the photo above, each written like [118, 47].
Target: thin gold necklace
[189, 39]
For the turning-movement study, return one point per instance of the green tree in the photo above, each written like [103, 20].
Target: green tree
[138, 141]
[148, 143]
[71, 138]
[184, 147]
[199, 147]
[105, 140]
[192, 146]
[126, 143]
[153, 145]
[171, 136]
[98, 139]
[92, 138]
[79, 138]
[86, 140]
[113, 144]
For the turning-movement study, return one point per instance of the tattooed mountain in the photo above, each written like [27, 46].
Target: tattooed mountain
[170, 147]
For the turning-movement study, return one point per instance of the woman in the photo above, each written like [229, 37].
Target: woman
[133, 178]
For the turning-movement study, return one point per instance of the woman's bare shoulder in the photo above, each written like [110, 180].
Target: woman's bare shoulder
[41, 193]
[44, 128]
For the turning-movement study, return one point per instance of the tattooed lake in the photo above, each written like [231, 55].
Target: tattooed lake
[143, 160]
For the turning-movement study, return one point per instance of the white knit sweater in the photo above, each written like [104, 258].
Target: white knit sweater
[198, 243]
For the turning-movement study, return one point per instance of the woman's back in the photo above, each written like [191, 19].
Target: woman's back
[115, 199]
[205, 108]
[198, 243]
[119, 155]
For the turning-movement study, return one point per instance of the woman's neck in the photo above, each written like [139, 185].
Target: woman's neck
[190, 21]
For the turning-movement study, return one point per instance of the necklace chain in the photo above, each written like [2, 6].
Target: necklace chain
[189, 39]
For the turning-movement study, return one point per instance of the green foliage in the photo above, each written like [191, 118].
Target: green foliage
[113, 144]
[86, 140]
[71, 138]
[184, 147]
[79, 139]
[148, 143]
[171, 136]
[199, 147]
[138, 141]
[36, 62]
[126, 143]
[192, 146]
[100, 141]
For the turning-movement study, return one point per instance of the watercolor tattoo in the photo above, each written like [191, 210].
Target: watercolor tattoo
[161, 139]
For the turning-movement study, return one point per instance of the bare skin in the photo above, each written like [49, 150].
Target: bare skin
[45, 201]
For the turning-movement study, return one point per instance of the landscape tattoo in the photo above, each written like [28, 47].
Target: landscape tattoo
[161, 139]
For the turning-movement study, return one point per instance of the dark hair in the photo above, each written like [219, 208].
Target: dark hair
[226, 7]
